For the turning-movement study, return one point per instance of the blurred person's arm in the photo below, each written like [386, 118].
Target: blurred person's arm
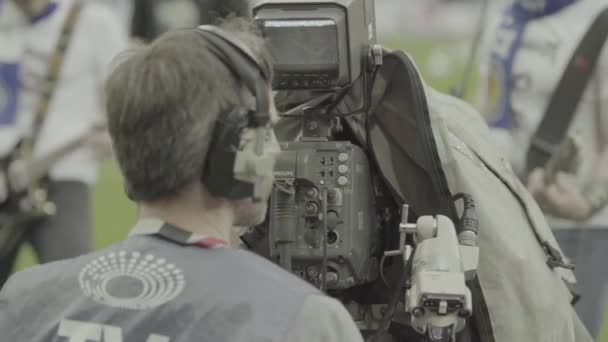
[323, 319]
[111, 38]
[564, 198]
[596, 191]
[602, 165]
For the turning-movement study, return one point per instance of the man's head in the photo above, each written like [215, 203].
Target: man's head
[163, 103]
[213, 11]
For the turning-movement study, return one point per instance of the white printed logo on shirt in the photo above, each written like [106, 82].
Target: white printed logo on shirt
[76, 331]
[131, 280]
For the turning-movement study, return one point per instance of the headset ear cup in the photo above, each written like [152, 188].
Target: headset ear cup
[228, 144]
[218, 175]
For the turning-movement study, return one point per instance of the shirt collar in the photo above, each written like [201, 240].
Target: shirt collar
[151, 226]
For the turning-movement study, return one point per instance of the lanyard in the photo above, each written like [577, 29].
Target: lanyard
[211, 243]
[176, 234]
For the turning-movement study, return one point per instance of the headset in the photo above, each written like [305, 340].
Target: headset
[236, 161]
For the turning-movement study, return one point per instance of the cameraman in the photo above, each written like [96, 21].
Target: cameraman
[176, 278]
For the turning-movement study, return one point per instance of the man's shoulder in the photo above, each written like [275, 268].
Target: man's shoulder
[55, 273]
[242, 271]
[322, 318]
[587, 8]
[579, 11]
[266, 270]
[453, 110]
[234, 270]
[169, 280]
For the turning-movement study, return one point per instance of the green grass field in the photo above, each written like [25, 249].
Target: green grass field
[114, 214]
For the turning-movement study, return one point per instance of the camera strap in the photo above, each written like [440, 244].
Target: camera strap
[53, 73]
[567, 95]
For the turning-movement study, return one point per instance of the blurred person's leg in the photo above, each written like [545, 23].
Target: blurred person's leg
[604, 308]
[68, 233]
[7, 265]
[588, 250]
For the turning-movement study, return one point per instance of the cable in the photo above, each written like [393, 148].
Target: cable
[392, 304]
[468, 70]
[316, 102]
[382, 276]
[324, 263]
[468, 221]
[309, 105]
[343, 92]
[365, 107]
[367, 113]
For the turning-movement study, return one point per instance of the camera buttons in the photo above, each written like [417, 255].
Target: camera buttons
[333, 196]
[342, 180]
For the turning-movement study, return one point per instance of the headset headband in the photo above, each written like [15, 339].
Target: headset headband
[242, 62]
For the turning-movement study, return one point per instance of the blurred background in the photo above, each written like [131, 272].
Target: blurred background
[438, 34]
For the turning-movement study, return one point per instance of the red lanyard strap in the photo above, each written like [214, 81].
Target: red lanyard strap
[176, 234]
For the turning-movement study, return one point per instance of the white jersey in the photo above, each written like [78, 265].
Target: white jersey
[124, 8]
[547, 46]
[77, 103]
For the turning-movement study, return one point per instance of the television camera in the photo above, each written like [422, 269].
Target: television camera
[332, 219]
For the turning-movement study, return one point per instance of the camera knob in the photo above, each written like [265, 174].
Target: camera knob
[311, 208]
[312, 193]
[332, 277]
[333, 196]
[332, 219]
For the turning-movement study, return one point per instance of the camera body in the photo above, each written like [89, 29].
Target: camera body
[323, 222]
[333, 219]
[317, 45]
[322, 207]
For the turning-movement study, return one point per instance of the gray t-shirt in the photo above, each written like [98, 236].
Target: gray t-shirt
[167, 288]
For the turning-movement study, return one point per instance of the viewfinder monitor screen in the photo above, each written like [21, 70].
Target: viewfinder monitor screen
[303, 44]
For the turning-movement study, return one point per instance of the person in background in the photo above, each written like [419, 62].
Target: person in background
[154, 17]
[531, 49]
[124, 9]
[177, 110]
[73, 113]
